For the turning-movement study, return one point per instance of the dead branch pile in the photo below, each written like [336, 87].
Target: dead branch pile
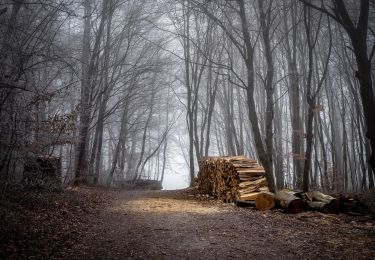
[232, 178]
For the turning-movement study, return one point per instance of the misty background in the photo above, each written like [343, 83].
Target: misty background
[123, 91]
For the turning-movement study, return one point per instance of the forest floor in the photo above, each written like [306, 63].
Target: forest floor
[97, 223]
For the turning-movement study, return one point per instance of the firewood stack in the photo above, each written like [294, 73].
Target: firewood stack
[235, 178]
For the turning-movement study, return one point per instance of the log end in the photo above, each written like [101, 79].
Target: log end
[265, 201]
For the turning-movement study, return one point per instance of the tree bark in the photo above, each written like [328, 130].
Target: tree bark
[264, 157]
[311, 93]
[81, 160]
[294, 94]
[265, 22]
[190, 112]
[86, 90]
[122, 138]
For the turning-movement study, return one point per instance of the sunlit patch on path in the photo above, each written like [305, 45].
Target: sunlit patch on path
[163, 205]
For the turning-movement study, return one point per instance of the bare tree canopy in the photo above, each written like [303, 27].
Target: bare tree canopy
[122, 92]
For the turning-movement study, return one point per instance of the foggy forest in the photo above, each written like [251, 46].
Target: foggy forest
[106, 97]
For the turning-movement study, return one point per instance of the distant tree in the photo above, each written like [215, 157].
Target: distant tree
[357, 28]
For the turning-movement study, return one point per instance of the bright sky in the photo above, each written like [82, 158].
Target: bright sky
[174, 181]
[177, 171]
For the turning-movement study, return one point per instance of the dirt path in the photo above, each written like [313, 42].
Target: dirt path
[170, 225]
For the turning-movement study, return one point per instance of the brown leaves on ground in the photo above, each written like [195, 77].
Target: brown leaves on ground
[40, 225]
[94, 223]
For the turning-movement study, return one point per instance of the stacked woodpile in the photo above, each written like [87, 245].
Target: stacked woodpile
[230, 179]
[241, 180]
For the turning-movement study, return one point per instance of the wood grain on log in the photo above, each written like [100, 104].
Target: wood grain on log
[265, 201]
[288, 201]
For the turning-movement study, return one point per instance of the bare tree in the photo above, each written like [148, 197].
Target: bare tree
[311, 93]
[357, 30]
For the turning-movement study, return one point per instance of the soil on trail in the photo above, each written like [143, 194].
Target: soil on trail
[177, 225]
[184, 225]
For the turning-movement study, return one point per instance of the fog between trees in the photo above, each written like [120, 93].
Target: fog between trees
[119, 88]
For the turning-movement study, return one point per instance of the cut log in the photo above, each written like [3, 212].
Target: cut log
[265, 201]
[249, 196]
[244, 184]
[251, 174]
[252, 190]
[256, 183]
[249, 178]
[321, 202]
[241, 159]
[286, 200]
[247, 170]
[316, 205]
[318, 196]
[331, 207]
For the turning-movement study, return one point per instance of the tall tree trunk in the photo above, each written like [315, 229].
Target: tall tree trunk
[309, 99]
[265, 22]
[190, 112]
[324, 178]
[86, 90]
[263, 154]
[165, 143]
[148, 120]
[358, 37]
[122, 138]
[279, 171]
[310, 93]
[294, 93]
[212, 97]
[81, 150]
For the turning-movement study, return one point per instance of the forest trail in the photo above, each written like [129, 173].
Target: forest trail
[177, 225]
